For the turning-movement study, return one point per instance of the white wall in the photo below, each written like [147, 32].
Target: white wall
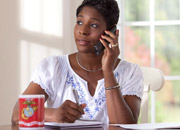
[21, 49]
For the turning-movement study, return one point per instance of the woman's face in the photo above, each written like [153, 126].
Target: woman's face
[90, 24]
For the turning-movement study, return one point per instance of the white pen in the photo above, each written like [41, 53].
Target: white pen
[75, 95]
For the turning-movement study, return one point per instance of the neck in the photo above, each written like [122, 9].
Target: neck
[90, 63]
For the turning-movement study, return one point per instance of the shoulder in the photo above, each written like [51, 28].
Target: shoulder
[131, 79]
[128, 67]
[55, 59]
[53, 62]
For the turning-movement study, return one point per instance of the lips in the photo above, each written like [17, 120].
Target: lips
[83, 42]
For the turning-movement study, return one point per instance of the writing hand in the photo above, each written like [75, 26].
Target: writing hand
[68, 112]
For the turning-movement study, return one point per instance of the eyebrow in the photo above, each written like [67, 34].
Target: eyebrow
[91, 18]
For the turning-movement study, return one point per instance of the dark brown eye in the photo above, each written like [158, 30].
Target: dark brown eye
[79, 22]
[94, 25]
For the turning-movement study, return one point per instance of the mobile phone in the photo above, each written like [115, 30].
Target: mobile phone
[98, 48]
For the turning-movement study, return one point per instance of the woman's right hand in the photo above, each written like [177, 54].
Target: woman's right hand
[68, 112]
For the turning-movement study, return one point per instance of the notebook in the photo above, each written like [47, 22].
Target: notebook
[147, 126]
[76, 124]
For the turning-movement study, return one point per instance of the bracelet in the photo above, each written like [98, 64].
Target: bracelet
[113, 87]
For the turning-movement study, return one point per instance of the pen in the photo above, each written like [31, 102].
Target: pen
[75, 95]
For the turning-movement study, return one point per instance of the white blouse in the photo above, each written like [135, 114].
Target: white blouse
[55, 75]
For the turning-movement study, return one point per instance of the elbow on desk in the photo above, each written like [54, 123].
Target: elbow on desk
[15, 120]
[124, 122]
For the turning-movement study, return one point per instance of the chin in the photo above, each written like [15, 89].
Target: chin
[84, 49]
[87, 51]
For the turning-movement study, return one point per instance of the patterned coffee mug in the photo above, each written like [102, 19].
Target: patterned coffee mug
[31, 111]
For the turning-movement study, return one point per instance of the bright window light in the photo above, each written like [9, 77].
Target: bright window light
[43, 16]
[30, 56]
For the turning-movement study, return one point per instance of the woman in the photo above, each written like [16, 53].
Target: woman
[109, 89]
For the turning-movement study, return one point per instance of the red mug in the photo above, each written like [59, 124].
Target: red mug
[31, 111]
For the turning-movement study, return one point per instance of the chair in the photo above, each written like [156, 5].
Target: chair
[154, 81]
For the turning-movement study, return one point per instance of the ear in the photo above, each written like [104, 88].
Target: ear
[117, 32]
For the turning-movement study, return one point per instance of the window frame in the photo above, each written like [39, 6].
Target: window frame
[152, 23]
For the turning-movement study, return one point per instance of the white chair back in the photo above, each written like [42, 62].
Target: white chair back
[153, 80]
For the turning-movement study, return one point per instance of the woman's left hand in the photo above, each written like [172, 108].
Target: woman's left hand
[111, 51]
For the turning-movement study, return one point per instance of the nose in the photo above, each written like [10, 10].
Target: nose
[84, 30]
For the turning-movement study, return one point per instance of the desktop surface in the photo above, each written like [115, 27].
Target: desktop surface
[10, 127]
[16, 127]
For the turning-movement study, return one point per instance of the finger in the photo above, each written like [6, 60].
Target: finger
[111, 34]
[69, 114]
[68, 120]
[109, 39]
[71, 118]
[109, 46]
[114, 46]
[63, 118]
[75, 106]
[105, 44]
[83, 105]
[75, 113]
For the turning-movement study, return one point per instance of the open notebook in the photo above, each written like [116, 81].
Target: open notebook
[77, 124]
[148, 126]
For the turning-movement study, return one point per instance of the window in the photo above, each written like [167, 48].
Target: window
[41, 34]
[150, 36]
[42, 16]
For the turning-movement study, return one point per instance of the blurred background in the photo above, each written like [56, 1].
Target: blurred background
[31, 30]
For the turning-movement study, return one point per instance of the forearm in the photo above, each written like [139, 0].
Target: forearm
[118, 109]
[49, 115]
[15, 115]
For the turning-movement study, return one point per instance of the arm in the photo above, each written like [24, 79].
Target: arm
[121, 110]
[67, 112]
[31, 89]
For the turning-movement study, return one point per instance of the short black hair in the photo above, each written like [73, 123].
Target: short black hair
[108, 8]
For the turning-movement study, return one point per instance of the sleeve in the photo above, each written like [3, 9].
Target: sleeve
[133, 81]
[44, 75]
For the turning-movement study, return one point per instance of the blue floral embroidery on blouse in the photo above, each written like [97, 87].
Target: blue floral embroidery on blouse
[81, 95]
[76, 85]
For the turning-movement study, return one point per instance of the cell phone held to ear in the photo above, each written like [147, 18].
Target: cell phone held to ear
[98, 48]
